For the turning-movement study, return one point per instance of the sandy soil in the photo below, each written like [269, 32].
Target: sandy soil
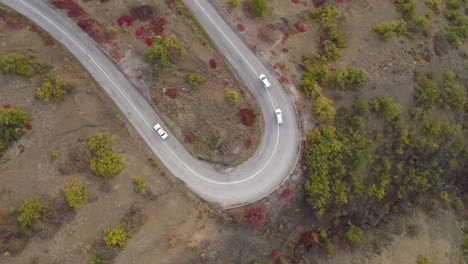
[219, 136]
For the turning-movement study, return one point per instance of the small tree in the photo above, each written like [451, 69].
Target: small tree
[385, 107]
[390, 29]
[76, 193]
[331, 51]
[30, 210]
[324, 109]
[116, 236]
[161, 48]
[232, 96]
[16, 63]
[354, 234]
[194, 79]
[52, 87]
[107, 164]
[427, 93]
[12, 122]
[258, 7]
[139, 184]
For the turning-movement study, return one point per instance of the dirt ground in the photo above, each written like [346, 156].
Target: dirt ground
[200, 117]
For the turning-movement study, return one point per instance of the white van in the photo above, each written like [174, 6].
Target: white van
[278, 116]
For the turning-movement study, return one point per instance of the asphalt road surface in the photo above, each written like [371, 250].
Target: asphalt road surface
[277, 153]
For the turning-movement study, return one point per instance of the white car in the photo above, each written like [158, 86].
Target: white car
[160, 131]
[264, 81]
[278, 116]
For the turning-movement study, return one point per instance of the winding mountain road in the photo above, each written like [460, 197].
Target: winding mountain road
[278, 152]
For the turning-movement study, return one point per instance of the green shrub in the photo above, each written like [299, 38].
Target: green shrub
[421, 23]
[234, 3]
[354, 234]
[12, 121]
[327, 16]
[159, 50]
[107, 164]
[390, 29]
[52, 87]
[30, 210]
[139, 184]
[310, 86]
[16, 63]
[98, 260]
[258, 7]
[76, 193]
[453, 95]
[116, 236]
[385, 107]
[338, 38]
[320, 73]
[349, 78]
[324, 109]
[257, 262]
[232, 96]
[99, 142]
[331, 51]
[427, 93]
[55, 154]
[424, 260]
[194, 79]
[407, 8]
[433, 4]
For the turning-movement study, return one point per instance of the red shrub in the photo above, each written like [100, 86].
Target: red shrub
[240, 27]
[172, 93]
[13, 21]
[139, 32]
[285, 50]
[32, 28]
[339, 1]
[256, 215]
[286, 193]
[125, 21]
[189, 137]
[247, 116]
[157, 24]
[299, 27]
[275, 254]
[284, 79]
[74, 10]
[143, 12]
[169, 2]
[296, 1]
[276, 67]
[93, 29]
[7, 106]
[213, 63]
[318, 3]
[307, 239]
[28, 126]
